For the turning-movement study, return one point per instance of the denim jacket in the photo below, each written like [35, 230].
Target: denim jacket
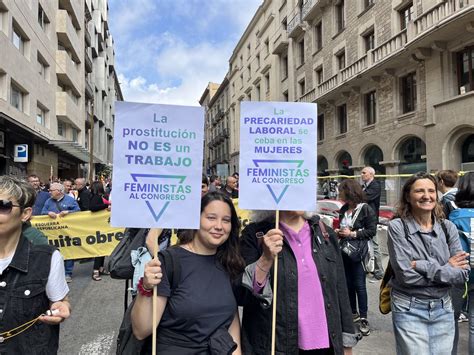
[23, 298]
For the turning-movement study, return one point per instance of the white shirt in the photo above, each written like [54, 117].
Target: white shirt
[56, 287]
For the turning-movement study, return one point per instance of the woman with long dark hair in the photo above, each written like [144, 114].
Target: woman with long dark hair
[98, 203]
[358, 224]
[462, 216]
[427, 259]
[199, 316]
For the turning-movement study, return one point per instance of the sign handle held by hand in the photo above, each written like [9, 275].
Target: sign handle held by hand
[275, 286]
[154, 233]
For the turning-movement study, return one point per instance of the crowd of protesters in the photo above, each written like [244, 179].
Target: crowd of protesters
[322, 297]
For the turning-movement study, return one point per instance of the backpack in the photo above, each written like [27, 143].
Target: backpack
[127, 344]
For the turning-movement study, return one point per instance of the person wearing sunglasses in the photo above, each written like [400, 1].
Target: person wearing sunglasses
[31, 278]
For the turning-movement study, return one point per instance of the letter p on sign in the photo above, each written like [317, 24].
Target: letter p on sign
[21, 153]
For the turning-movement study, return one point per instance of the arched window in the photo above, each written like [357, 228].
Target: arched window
[373, 156]
[344, 162]
[322, 166]
[468, 149]
[412, 156]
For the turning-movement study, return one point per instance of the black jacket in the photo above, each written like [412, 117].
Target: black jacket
[372, 194]
[257, 320]
[366, 223]
[84, 199]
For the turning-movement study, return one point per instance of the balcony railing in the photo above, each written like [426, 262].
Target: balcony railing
[438, 13]
[389, 47]
[327, 85]
[354, 69]
[294, 24]
[311, 7]
[310, 96]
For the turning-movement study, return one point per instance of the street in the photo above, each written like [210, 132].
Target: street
[97, 309]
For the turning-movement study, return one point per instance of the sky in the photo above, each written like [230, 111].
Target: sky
[167, 51]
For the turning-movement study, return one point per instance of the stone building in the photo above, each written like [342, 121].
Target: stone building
[57, 85]
[393, 80]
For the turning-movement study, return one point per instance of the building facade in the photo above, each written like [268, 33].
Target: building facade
[393, 80]
[57, 86]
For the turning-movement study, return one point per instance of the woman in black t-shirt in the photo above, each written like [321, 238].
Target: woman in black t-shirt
[199, 316]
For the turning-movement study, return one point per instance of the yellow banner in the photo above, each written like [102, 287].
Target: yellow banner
[81, 234]
[244, 215]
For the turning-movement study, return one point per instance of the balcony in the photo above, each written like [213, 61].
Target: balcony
[295, 26]
[390, 47]
[311, 8]
[226, 133]
[310, 96]
[327, 85]
[67, 110]
[67, 35]
[280, 45]
[66, 71]
[354, 69]
[87, 62]
[89, 90]
[87, 37]
[74, 9]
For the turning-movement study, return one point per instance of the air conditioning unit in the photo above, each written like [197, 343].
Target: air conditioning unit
[467, 166]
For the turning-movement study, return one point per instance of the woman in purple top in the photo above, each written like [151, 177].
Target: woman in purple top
[313, 311]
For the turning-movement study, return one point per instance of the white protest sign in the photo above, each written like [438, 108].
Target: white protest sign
[277, 156]
[157, 165]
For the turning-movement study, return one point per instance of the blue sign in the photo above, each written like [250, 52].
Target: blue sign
[20, 153]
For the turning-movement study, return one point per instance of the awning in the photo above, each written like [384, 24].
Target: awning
[72, 148]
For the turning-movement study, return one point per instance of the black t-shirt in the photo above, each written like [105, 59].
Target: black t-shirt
[203, 300]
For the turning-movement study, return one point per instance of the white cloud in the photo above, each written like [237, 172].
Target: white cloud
[173, 67]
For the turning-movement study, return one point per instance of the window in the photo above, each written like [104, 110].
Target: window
[267, 82]
[341, 60]
[248, 51]
[318, 36]
[40, 116]
[258, 60]
[369, 40]
[241, 80]
[284, 67]
[342, 119]
[4, 21]
[16, 97]
[267, 47]
[285, 96]
[368, 3]
[320, 127]
[43, 67]
[301, 87]
[406, 15]
[241, 60]
[257, 93]
[340, 19]
[42, 18]
[370, 108]
[249, 71]
[75, 134]
[319, 75]
[301, 52]
[61, 129]
[465, 65]
[17, 40]
[408, 93]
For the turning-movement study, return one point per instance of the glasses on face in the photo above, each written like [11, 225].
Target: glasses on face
[6, 206]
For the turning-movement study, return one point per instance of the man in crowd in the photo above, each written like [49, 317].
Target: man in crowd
[41, 196]
[230, 187]
[373, 191]
[214, 183]
[60, 205]
[83, 194]
[446, 181]
[68, 188]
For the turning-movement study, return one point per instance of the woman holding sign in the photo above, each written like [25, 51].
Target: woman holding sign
[199, 315]
[313, 310]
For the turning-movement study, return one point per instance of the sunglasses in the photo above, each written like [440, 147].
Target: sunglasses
[6, 206]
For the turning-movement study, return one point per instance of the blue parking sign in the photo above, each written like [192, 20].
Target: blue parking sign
[21, 153]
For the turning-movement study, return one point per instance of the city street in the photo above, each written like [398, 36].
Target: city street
[97, 309]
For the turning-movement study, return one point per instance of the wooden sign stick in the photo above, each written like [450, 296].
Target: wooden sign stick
[275, 287]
